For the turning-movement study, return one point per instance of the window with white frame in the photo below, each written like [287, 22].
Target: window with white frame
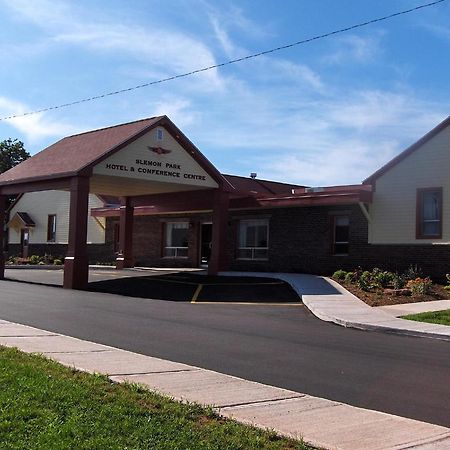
[176, 240]
[253, 240]
[341, 235]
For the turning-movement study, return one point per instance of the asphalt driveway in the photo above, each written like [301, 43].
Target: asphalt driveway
[282, 345]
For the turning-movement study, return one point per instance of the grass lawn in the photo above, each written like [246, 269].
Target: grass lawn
[44, 405]
[440, 317]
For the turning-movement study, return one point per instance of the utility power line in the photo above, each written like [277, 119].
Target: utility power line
[227, 63]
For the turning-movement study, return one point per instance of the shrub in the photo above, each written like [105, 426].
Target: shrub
[412, 273]
[57, 262]
[34, 259]
[398, 282]
[382, 278]
[349, 277]
[48, 259]
[365, 281]
[419, 286]
[339, 274]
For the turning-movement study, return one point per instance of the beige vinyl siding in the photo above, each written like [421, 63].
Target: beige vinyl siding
[40, 204]
[393, 210]
[130, 167]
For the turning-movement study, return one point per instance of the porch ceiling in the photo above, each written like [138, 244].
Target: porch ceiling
[128, 187]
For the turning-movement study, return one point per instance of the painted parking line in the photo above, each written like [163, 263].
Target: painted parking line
[197, 293]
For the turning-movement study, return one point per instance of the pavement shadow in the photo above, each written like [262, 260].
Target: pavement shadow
[188, 287]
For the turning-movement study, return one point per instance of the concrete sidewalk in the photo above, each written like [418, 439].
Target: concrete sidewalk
[323, 423]
[415, 308]
[329, 301]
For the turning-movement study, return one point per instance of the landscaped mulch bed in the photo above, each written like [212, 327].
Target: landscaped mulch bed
[379, 298]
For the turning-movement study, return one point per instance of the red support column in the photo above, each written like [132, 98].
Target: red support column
[2, 235]
[76, 264]
[219, 251]
[125, 256]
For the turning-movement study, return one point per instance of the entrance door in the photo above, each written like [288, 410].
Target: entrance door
[24, 238]
[205, 243]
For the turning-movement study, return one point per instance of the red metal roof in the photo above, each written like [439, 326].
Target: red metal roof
[257, 186]
[332, 195]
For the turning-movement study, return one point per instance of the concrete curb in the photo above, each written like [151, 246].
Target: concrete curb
[333, 303]
[34, 266]
[322, 423]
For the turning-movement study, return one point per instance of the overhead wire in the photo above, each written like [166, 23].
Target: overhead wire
[227, 63]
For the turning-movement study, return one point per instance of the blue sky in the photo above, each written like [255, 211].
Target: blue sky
[324, 113]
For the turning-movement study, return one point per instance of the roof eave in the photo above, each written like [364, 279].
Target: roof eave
[412, 148]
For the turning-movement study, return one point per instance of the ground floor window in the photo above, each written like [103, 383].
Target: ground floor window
[429, 213]
[341, 235]
[176, 239]
[51, 228]
[253, 241]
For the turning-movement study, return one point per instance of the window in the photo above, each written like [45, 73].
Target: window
[253, 239]
[341, 233]
[159, 134]
[429, 213]
[51, 228]
[176, 240]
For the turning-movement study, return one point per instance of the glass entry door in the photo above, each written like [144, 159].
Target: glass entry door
[205, 243]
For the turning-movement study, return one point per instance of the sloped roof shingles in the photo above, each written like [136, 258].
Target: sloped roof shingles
[71, 154]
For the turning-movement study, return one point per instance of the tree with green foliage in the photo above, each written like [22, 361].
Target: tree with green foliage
[12, 152]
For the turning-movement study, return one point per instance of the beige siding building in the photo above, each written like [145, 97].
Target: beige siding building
[40, 206]
[411, 199]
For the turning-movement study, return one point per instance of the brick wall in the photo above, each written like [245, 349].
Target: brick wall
[149, 235]
[300, 240]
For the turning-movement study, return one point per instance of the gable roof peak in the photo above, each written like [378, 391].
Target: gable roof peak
[154, 118]
[405, 153]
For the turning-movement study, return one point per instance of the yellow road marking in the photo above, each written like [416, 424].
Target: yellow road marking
[196, 293]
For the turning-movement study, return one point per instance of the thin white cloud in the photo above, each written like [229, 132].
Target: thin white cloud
[156, 45]
[34, 127]
[178, 109]
[339, 139]
[353, 48]
[223, 38]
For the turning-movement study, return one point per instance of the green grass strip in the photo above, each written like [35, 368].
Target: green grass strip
[44, 405]
[439, 317]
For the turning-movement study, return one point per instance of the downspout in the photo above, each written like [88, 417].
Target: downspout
[365, 211]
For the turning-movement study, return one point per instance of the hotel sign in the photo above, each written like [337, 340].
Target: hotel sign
[145, 159]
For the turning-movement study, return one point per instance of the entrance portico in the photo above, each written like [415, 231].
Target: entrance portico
[147, 157]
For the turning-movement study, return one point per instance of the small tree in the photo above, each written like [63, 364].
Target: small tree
[12, 152]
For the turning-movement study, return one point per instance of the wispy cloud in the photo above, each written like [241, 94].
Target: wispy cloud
[353, 48]
[338, 140]
[156, 45]
[34, 127]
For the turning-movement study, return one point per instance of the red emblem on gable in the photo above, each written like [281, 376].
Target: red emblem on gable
[159, 150]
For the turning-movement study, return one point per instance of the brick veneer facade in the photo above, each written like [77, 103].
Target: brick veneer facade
[300, 240]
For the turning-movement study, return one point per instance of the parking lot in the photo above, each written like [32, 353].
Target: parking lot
[172, 285]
